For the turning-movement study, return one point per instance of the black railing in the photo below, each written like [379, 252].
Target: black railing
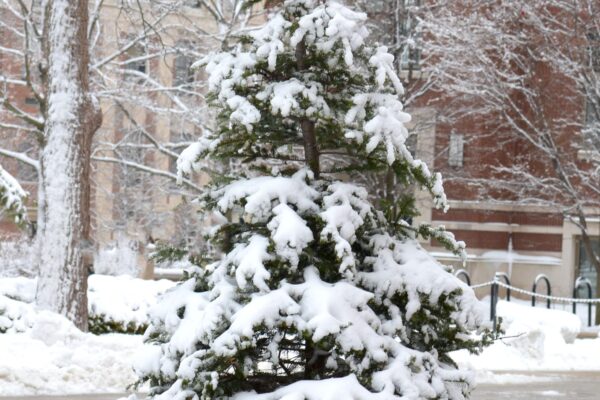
[578, 283]
[464, 274]
[548, 288]
[495, 285]
[504, 276]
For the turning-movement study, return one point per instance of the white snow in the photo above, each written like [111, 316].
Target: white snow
[536, 339]
[290, 233]
[44, 353]
[259, 193]
[17, 258]
[54, 357]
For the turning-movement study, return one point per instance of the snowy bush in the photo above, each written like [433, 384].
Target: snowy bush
[118, 258]
[317, 295]
[15, 316]
[12, 197]
[116, 304]
[121, 304]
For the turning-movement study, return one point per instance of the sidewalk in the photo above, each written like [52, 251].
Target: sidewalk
[544, 385]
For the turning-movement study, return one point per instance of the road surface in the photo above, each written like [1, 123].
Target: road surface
[543, 386]
[547, 385]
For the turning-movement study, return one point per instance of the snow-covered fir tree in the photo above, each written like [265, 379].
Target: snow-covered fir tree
[316, 295]
[12, 197]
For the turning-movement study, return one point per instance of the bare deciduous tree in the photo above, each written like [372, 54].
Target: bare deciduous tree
[55, 61]
[521, 80]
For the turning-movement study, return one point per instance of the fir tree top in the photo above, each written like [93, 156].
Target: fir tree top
[308, 80]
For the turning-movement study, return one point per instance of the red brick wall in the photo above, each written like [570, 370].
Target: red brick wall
[508, 217]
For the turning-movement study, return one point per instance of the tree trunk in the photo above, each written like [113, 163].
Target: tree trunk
[71, 121]
[311, 150]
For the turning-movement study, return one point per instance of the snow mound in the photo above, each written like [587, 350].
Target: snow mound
[54, 357]
[530, 328]
[15, 315]
[536, 339]
[18, 288]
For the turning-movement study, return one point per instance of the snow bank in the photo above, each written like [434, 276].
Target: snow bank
[54, 357]
[536, 339]
[44, 353]
[15, 315]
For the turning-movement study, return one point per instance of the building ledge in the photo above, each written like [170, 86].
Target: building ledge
[498, 256]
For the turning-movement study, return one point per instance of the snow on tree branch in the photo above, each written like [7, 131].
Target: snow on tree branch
[12, 196]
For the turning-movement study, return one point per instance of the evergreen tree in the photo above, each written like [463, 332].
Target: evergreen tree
[317, 295]
[12, 197]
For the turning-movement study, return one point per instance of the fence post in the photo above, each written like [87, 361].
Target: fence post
[504, 275]
[583, 281]
[465, 274]
[548, 288]
[494, 301]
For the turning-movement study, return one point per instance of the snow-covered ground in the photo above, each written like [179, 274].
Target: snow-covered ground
[536, 339]
[54, 357]
[43, 353]
[46, 354]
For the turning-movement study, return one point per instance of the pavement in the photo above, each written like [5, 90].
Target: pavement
[542, 386]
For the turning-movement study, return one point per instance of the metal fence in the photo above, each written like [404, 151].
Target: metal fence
[502, 280]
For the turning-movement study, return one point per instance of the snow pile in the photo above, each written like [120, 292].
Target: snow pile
[54, 357]
[536, 339]
[15, 316]
[529, 322]
[18, 288]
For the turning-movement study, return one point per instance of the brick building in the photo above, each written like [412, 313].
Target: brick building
[152, 106]
[510, 115]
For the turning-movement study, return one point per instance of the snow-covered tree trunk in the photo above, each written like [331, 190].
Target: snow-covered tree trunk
[72, 118]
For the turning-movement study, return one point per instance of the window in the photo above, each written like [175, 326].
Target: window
[136, 58]
[182, 69]
[592, 110]
[25, 173]
[594, 50]
[586, 269]
[592, 102]
[411, 144]
[455, 150]
[410, 58]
